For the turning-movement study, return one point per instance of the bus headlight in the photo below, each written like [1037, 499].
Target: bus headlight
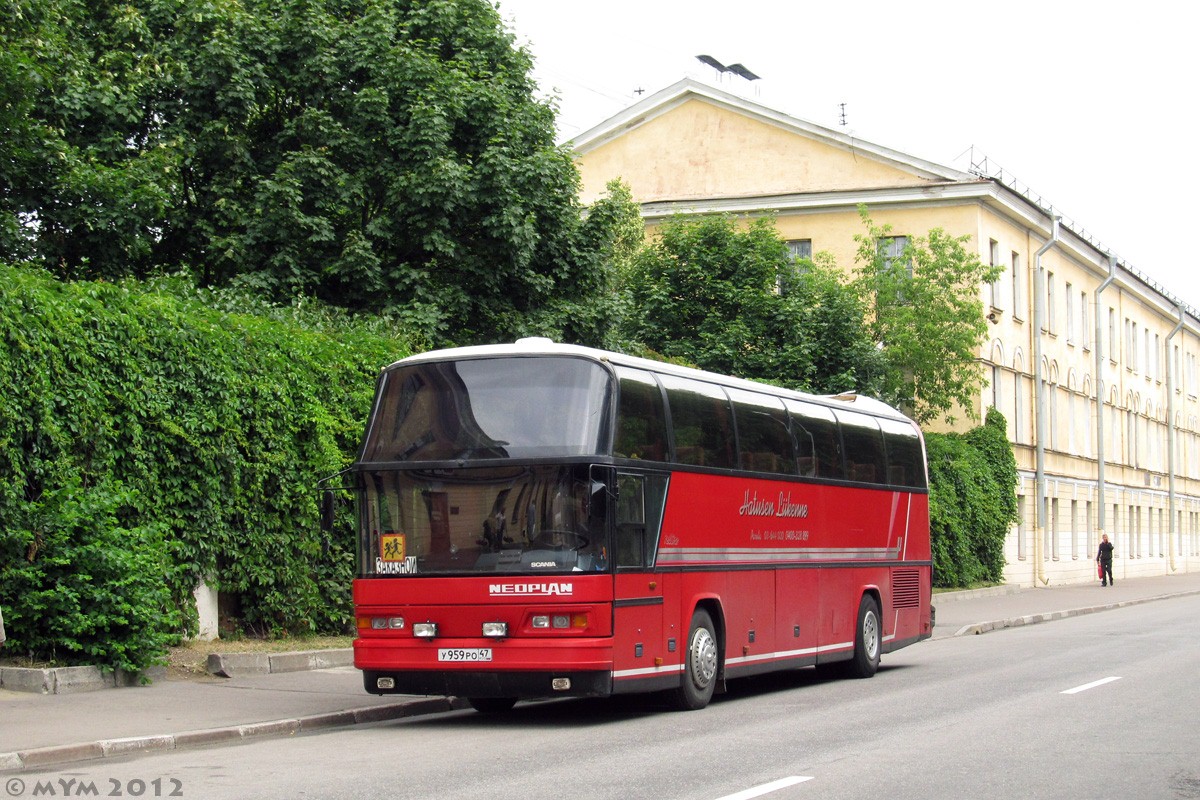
[495, 630]
[559, 621]
[381, 623]
[424, 630]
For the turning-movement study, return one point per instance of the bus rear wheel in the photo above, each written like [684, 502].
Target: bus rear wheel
[868, 640]
[701, 660]
[492, 705]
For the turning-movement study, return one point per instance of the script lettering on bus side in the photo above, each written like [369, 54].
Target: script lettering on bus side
[783, 507]
[406, 567]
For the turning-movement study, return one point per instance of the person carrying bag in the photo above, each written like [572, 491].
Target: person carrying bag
[1104, 557]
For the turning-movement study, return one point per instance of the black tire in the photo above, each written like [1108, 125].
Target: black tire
[701, 664]
[868, 640]
[492, 705]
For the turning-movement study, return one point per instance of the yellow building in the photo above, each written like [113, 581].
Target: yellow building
[1093, 365]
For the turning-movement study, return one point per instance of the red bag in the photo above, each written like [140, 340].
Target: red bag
[1099, 570]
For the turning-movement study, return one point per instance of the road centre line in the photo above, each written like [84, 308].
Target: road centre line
[767, 788]
[1091, 685]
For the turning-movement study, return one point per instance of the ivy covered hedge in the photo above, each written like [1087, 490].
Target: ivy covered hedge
[972, 502]
[148, 440]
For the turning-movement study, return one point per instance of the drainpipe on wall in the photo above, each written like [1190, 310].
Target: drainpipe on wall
[1100, 486]
[1039, 401]
[1172, 532]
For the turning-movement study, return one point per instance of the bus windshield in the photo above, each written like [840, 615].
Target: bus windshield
[482, 520]
[489, 408]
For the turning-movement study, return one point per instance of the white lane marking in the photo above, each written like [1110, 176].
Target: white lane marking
[767, 788]
[1091, 685]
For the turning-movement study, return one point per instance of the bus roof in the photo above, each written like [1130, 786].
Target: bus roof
[541, 346]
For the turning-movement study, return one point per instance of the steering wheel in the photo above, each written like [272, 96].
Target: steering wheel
[573, 540]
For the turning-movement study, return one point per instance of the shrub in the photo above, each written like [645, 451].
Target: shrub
[191, 440]
[972, 502]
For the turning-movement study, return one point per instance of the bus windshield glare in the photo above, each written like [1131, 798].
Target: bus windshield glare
[474, 409]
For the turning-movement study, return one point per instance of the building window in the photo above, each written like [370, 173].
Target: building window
[1050, 326]
[1133, 350]
[994, 261]
[1085, 330]
[1156, 365]
[1112, 335]
[1070, 301]
[1017, 287]
[1150, 354]
[800, 248]
[892, 249]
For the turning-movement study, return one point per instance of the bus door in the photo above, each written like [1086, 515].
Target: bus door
[640, 647]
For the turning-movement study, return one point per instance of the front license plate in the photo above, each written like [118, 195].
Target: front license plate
[465, 654]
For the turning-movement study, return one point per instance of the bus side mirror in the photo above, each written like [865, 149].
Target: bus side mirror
[327, 510]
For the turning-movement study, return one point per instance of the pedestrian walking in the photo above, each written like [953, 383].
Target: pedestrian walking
[1104, 558]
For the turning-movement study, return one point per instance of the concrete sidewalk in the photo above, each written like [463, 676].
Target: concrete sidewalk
[43, 730]
[983, 610]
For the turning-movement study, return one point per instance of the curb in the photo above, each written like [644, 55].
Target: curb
[971, 594]
[65, 680]
[1032, 619]
[228, 665]
[134, 745]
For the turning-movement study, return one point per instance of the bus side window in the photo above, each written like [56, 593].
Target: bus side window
[640, 500]
[641, 418]
[764, 443]
[863, 445]
[818, 445]
[701, 422]
[906, 465]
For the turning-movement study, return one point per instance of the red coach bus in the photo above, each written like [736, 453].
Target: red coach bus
[542, 520]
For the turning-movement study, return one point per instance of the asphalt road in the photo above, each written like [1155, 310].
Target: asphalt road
[1097, 706]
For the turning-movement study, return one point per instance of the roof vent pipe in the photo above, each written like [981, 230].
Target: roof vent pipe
[1173, 531]
[1099, 383]
[1039, 404]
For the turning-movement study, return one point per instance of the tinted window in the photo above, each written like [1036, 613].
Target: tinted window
[640, 502]
[818, 445]
[641, 417]
[701, 422]
[905, 463]
[489, 408]
[862, 443]
[764, 442]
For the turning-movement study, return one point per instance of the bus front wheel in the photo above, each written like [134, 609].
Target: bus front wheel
[701, 660]
[868, 640]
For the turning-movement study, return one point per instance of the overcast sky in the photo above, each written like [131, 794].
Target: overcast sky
[1091, 105]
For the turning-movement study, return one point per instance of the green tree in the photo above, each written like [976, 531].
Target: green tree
[927, 316]
[85, 181]
[730, 299]
[377, 154]
[613, 235]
